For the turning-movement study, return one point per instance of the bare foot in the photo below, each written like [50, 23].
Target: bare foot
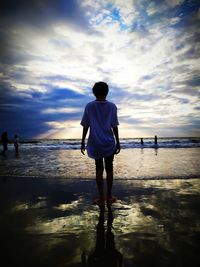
[111, 199]
[99, 201]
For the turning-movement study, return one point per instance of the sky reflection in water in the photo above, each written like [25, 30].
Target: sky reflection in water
[154, 222]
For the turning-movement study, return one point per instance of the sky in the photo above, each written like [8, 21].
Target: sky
[52, 53]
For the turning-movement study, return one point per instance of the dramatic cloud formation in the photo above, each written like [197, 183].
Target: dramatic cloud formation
[52, 52]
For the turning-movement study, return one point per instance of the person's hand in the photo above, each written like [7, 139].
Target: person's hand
[118, 148]
[83, 148]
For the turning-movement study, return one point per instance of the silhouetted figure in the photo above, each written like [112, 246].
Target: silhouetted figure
[16, 144]
[4, 142]
[100, 116]
[142, 142]
[155, 140]
[105, 253]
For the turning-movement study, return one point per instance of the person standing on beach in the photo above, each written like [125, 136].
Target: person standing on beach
[4, 142]
[100, 116]
[141, 141]
[155, 140]
[16, 144]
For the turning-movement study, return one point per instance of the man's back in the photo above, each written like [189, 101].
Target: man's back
[100, 116]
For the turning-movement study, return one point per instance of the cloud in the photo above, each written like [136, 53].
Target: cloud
[42, 12]
[54, 52]
[29, 114]
[61, 110]
[173, 3]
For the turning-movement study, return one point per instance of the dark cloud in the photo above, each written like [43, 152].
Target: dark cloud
[41, 12]
[148, 77]
[19, 114]
[22, 113]
[145, 97]
[186, 9]
[192, 46]
[131, 120]
[186, 91]
[177, 99]
[161, 12]
[11, 53]
[23, 121]
[191, 53]
[189, 86]
[194, 82]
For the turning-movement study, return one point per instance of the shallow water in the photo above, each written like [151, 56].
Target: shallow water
[48, 222]
[162, 163]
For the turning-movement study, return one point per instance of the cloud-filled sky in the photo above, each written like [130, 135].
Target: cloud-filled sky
[52, 52]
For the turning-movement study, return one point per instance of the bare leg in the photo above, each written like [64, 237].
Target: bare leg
[109, 183]
[110, 198]
[16, 151]
[99, 181]
[4, 150]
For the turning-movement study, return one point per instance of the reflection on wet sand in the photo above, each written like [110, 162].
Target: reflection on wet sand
[105, 253]
[53, 223]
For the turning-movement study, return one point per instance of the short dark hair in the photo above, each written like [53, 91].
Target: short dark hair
[100, 89]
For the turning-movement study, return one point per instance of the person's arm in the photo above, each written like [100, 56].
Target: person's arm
[116, 134]
[84, 133]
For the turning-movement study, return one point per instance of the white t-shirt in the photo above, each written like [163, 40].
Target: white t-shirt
[100, 116]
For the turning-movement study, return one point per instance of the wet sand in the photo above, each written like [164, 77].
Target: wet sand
[52, 222]
[129, 164]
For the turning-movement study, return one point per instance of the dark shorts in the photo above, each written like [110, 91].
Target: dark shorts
[108, 163]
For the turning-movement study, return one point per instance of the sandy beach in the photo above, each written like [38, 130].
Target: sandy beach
[49, 220]
[149, 163]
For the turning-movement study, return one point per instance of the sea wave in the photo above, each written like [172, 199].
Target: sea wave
[126, 143]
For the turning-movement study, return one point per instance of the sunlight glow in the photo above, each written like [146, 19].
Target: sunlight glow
[148, 60]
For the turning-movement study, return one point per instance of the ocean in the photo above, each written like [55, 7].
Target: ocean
[63, 144]
[172, 158]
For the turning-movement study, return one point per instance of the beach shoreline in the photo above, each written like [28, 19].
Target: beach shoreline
[48, 217]
[161, 163]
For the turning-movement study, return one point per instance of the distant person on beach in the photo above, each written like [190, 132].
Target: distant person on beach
[4, 142]
[16, 144]
[155, 140]
[142, 142]
[100, 116]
